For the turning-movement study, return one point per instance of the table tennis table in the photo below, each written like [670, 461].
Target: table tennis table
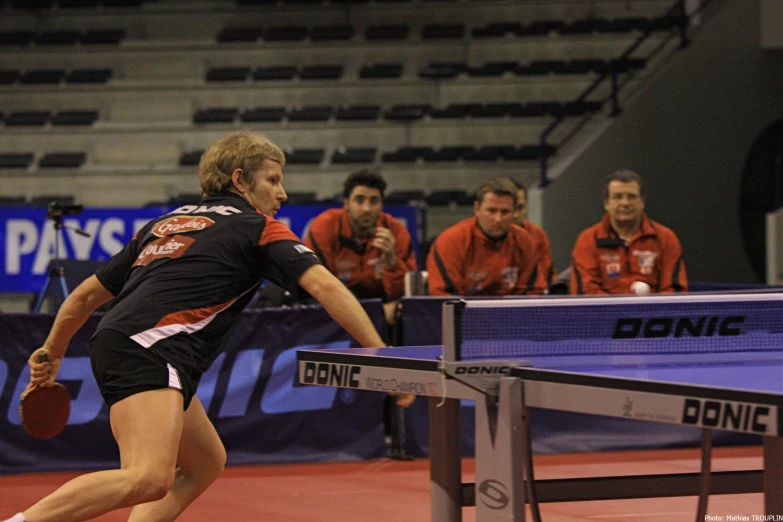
[736, 385]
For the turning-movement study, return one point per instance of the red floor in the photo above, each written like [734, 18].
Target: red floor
[394, 491]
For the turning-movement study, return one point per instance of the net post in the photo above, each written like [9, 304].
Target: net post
[452, 330]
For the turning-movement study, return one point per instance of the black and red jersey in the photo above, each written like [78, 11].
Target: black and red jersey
[183, 280]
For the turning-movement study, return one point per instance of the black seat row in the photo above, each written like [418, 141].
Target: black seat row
[72, 4]
[432, 71]
[403, 113]
[54, 76]
[38, 118]
[41, 201]
[580, 26]
[48, 160]
[341, 155]
[24, 38]
[298, 33]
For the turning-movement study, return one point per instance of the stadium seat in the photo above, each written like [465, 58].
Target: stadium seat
[75, 118]
[27, 118]
[183, 199]
[444, 198]
[42, 76]
[540, 28]
[187, 159]
[357, 113]
[492, 69]
[663, 23]
[15, 160]
[443, 31]
[310, 113]
[57, 38]
[103, 37]
[295, 156]
[16, 38]
[301, 198]
[291, 33]
[491, 153]
[404, 197]
[537, 67]
[331, 32]
[227, 74]
[625, 25]
[450, 153]
[89, 76]
[407, 112]
[77, 4]
[406, 154]
[263, 114]
[285, 73]
[381, 70]
[45, 200]
[386, 32]
[531, 152]
[32, 4]
[122, 3]
[353, 155]
[321, 72]
[62, 160]
[216, 115]
[497, 30]
[442, 70]
[584, 26]
[13, 201]
[8, 77]
[239, 34]
[453, 111]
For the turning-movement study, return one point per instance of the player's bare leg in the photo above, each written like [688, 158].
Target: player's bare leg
[201, 459]
[148, 428]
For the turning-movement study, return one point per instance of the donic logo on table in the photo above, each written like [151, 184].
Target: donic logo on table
[656, 327]
[737, 416]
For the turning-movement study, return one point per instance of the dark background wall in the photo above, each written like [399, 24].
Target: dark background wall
[688, 134]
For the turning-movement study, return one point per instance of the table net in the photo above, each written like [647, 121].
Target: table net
[512, 329]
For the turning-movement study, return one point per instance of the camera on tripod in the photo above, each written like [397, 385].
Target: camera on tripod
[56, 210]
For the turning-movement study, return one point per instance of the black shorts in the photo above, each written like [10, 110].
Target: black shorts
[123, 368]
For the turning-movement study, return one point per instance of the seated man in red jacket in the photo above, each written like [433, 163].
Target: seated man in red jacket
[366, 248]
[545, 265]
[626, 246]
[487, 254]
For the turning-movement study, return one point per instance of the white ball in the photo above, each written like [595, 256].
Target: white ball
[640, 288]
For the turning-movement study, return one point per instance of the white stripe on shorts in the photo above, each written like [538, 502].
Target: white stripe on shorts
[173, 378]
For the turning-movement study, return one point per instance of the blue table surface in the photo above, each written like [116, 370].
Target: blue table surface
[752, 371]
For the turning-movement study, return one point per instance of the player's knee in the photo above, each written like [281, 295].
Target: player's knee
[152, 485]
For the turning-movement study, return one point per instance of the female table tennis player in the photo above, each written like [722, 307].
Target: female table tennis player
[178, 286]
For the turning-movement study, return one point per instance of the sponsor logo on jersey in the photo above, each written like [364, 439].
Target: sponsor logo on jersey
[181, 225]
[166, 247]
[303, 249]
[510, 277]
[613, 270]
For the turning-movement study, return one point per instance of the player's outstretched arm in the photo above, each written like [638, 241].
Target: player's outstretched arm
[73, 313]
[341, 304]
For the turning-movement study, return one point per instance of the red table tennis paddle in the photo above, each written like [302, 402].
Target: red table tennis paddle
[44, 411]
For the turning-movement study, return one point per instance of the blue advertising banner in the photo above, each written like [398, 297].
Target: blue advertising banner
[248, 393]
[28, 240]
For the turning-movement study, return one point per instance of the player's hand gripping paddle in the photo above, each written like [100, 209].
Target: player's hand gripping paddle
[44, 411]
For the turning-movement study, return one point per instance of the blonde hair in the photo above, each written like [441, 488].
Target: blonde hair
[239, 150]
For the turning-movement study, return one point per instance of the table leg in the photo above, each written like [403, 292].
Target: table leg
[445, 461]
[773, 475]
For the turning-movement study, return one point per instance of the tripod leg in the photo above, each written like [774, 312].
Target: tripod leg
[42, 295]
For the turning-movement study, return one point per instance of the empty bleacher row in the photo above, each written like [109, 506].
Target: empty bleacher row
[394, 113]
[48, 160]
[39, 118]
[54, 76]
[433, 70]
[345, 32]
[370, 155]
[41, 5]
[44, 38]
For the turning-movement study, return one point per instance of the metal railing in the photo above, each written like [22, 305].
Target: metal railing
[617, 67]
